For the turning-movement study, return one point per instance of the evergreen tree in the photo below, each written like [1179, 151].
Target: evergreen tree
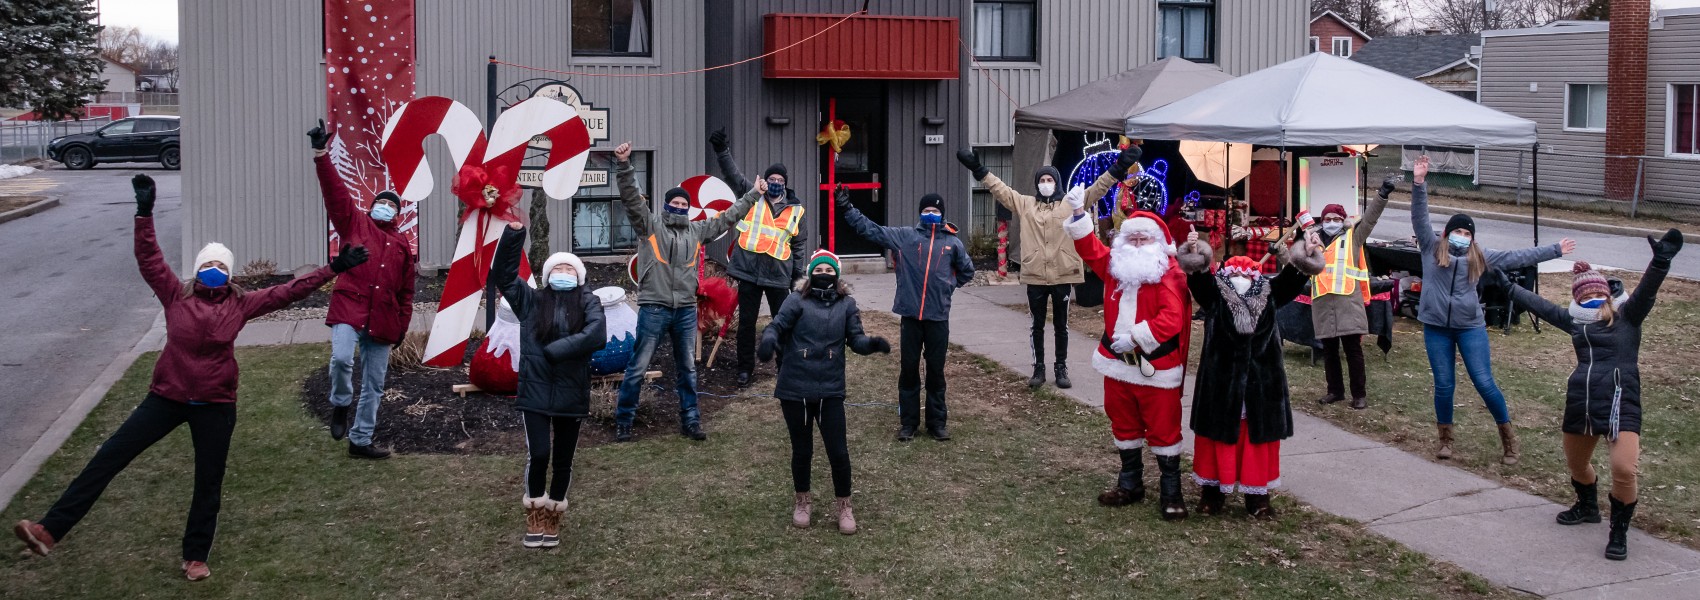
[48, 57]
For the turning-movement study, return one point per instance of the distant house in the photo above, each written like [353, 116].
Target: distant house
[1447, 62]
[1331, 33]
[119, 78]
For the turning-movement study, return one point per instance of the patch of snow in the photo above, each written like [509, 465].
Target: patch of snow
[10, 171]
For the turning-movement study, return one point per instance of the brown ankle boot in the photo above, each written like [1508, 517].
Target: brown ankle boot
[1443, 450]
[846, 518]
[552, 513]
[1508, 439]
[801, 508]
[536, 515]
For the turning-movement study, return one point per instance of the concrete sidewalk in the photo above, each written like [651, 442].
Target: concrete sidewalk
[1504, 535]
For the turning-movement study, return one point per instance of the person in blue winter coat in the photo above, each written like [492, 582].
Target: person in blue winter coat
[931, 263]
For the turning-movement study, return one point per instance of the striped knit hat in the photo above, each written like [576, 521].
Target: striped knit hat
[1588, 282]
[1240, 266]
[824, 257]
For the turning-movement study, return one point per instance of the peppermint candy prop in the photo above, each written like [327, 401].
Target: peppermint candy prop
[709, 196]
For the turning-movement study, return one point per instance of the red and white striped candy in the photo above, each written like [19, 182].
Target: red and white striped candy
[709, 196]
[569, 143]
[403, 144]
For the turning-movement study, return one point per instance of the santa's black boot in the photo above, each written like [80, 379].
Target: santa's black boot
[1210, 499]
[1172, 506]
[1062, 377]
[1038, 377]
[1130, 482]
[1617, 546]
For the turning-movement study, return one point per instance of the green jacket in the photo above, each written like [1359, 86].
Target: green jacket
[666, 255]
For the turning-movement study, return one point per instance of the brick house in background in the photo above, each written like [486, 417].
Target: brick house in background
[1331, 33]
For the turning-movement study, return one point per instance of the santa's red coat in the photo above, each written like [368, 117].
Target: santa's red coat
[1164, 312]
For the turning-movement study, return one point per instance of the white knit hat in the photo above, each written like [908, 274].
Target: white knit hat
[212, 252]
[559, 258]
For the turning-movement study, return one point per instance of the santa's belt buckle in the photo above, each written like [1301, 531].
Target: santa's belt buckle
[1145, 366]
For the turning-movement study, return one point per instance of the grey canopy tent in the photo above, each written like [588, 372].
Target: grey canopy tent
[1105, 104]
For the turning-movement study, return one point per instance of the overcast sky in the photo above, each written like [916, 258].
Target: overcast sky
[158, 18]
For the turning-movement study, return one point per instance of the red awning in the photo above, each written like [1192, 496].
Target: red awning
[865, 47]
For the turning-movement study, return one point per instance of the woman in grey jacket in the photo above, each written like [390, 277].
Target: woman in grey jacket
[1451, 310]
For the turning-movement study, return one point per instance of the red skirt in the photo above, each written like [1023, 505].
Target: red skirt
[1251, 468]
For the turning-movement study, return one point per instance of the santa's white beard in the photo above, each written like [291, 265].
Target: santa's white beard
[1133, 266]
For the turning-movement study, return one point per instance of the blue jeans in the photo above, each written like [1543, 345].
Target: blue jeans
[653, 322]
[375, 358]
[1444, 343]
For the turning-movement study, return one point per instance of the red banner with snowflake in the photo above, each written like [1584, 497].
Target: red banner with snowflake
[369, 55]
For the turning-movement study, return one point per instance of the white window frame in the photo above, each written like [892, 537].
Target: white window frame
[1564, 117]
[1670, 121]
[1334, 46]
[1315, 44]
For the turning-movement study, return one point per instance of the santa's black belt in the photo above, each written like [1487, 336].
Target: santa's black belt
[1132, 358]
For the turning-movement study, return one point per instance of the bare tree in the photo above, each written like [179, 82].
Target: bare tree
[1471, 16]
[1370, 16]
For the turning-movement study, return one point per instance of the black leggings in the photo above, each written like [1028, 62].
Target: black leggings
[1354, 347]
[749, 307]
[210, 427]
[539, 454]
[799, 422]
[1057, 297]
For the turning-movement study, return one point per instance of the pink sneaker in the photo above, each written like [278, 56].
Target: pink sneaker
[35, 537]
[196, 570]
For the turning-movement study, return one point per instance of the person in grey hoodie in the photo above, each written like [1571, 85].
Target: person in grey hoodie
[765, 259]
[1451, 310]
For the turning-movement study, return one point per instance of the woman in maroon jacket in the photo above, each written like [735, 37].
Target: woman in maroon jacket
[194, 382]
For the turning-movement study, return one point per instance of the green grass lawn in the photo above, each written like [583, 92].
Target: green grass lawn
[1005, 511]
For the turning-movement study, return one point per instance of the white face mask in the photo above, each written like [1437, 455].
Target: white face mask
[1241, 284]
[1332, 228]
[1047, 189]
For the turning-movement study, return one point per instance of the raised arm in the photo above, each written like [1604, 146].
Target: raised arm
[586, 341]
[1204, 290]
[1005, 195]
[1194, 258]
[1420, 224]
[1285, 286]
[637, 207]
[1640, 302]
[1372, 214]
[728, 166]
[864, 227]
[257, 303]
[1526, 257]
[339, 205]
[1128, 158]
[712, 228]
[1530, 301]
[504, 270]
[149, 259]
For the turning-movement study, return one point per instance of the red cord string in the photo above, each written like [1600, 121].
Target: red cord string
[692, 71]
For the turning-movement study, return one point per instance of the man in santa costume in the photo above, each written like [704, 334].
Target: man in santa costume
[1147, 311]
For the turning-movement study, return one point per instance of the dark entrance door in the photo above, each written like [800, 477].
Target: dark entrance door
[861, 106]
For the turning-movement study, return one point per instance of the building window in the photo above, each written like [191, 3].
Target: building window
[1005, 30]
[1187, 28]
[1585, 106]
[600, 225]
[1684, 112]
[1343, 47]
[1315, 44]
[611, 27]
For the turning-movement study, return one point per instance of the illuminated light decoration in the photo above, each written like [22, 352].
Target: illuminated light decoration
[1089, 168]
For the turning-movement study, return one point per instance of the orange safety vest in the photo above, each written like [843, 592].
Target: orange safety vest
[1345, 273]
[764, 232]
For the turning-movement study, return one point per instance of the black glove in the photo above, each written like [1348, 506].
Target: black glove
[764, 351]
[968, 159]
[842, 196]
[1666, 248]
[1125, 161]
[1496, 279]
[1386, 188]
[717, 140]
[318, 136]
[878, 344]
[349, 258]
[144, 197]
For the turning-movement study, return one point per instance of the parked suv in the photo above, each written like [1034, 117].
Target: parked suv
[136, 139]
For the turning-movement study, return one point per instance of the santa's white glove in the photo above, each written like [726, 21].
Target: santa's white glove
[1121, 343]
[1076, 197]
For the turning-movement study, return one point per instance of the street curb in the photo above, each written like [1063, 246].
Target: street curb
[1526, 219]
[19, 213]
[44, 447]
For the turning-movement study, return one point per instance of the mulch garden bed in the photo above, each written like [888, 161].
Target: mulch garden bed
[426, 289]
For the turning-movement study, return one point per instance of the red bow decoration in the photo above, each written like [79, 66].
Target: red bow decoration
[495, 190]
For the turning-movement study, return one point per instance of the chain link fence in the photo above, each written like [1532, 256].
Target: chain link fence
[25, 140]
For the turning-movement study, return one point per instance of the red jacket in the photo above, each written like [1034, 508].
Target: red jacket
[199, 360]
[1164, 314]
[375, 297]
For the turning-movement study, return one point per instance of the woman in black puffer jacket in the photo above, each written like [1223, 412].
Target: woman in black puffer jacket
[1604, 395]
[561, 325]
[812, 330]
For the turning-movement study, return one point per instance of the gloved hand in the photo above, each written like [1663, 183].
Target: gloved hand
[144, 197]
[972, 162]
[842, 196]
[318, 136]
[349, 258]
[764, 350]
[1386, 188]
[1076, 197]
[878, 344]
[1496, 279]
[1666, 248]
[1125, 161]
[717, 140]
[1121, 343]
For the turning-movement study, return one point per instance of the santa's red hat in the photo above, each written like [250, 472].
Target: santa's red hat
[1240, 266]
[1149, 224]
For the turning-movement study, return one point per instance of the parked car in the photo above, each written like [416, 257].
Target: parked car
[136, 139]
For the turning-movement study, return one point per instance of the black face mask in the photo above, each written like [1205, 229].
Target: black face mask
[823, 281]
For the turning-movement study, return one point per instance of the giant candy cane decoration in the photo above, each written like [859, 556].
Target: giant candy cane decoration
[503, 152]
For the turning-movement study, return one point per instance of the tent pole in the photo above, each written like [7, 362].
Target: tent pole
[1535, 189]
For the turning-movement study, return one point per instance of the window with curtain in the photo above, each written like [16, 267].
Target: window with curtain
[1005, 30]
[1187, 28]
[611, 28]
[600, 225]
[1585, 106]
[1343, 47]
[1685, 109]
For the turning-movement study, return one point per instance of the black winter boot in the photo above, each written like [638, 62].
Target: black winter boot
[1617, 546]
[622, 433]
[1038, 377]
[908, 413]
[693, 431]
[1172, 506]
[1257, 507]
[1210, 499]
[339, 422]
[1587, 506]
[1062, 377]
[1130, 482]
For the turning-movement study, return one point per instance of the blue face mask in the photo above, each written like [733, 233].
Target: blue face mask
[1595, 303]
[775, 190]
[562, 282]
[674, 210]
[931, 218]
[212, 277]
[382, 213]
[1458, 241]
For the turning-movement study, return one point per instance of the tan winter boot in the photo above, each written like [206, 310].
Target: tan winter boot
[801, 508]
[1508, 439]
[1443, 450]
[536, 510]
[552, 522]
[846, 518]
